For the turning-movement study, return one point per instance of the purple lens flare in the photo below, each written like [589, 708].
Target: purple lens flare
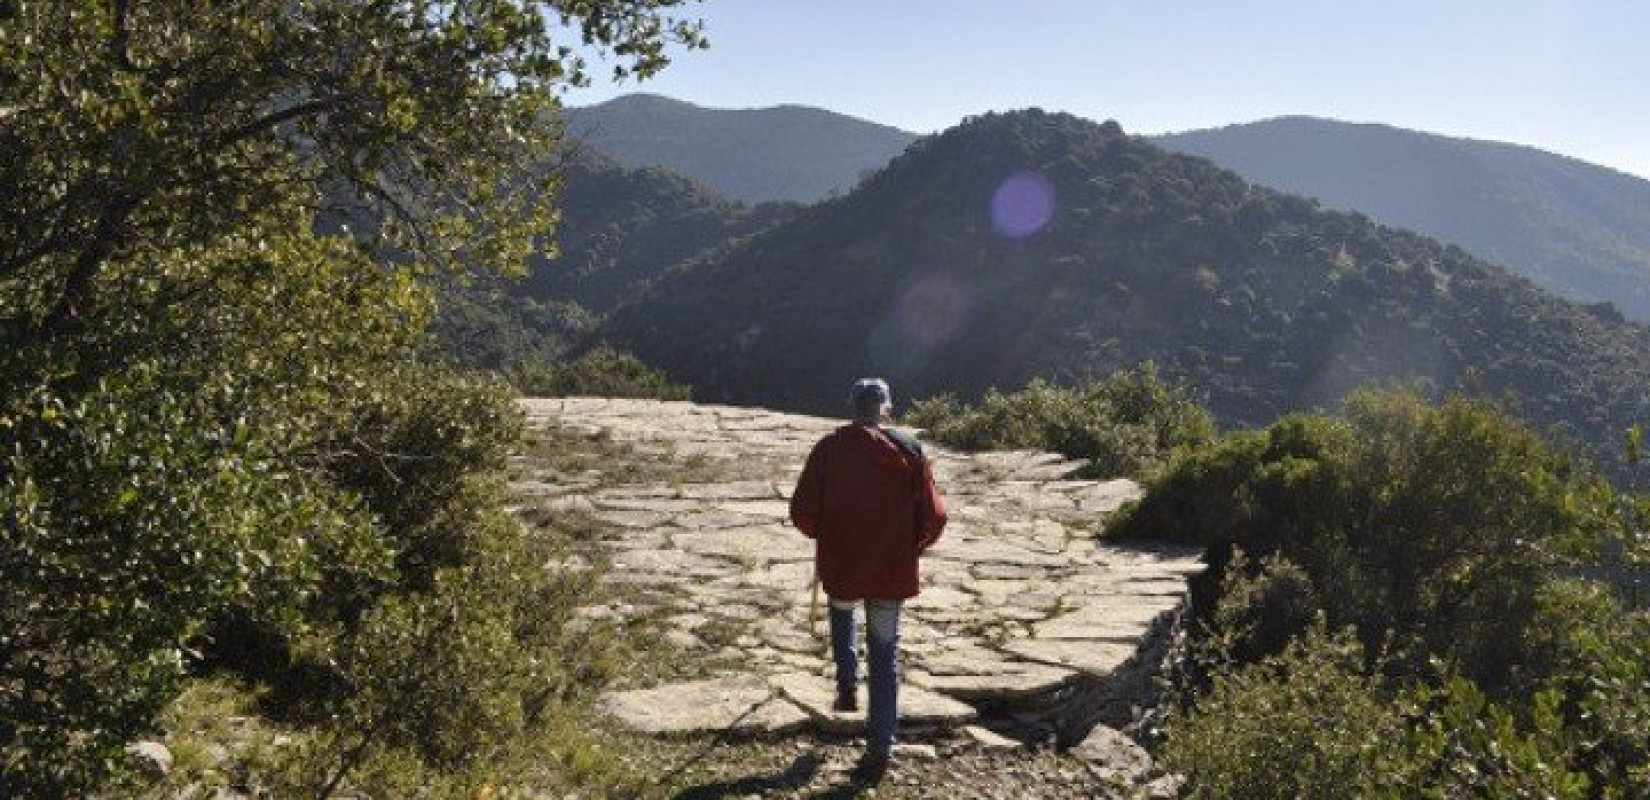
[1022, 205]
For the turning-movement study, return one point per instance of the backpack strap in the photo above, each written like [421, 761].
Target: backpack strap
[904, 441]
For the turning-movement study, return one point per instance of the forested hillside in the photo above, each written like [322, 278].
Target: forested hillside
[1576, 228]
[619, 228]
[788, 152]
[1033, 244]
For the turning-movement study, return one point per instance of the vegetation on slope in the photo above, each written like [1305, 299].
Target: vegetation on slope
[1580, 230]
[224, 450]
[1260, 301]
[1128, 424]
[601, 372]
[617, 230]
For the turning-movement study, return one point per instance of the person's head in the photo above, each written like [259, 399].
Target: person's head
[870, 400]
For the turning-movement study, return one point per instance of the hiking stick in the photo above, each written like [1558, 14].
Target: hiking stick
[813, 605]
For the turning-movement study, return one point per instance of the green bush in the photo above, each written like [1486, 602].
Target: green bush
[443, 682]
[1469, 552]
[1128, 424]
[1308, 722]
[601, 372]
[1320, 720]
[1263, 606]
[260, 489]
[1437, 523]
[159, 476]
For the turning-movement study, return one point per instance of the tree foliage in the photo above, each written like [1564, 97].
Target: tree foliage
[223, 444]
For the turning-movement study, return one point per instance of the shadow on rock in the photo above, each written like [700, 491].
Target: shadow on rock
[799, 774]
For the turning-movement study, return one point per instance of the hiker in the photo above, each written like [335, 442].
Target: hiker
[867, 499]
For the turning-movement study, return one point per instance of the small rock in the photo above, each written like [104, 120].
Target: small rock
[682, 640]
[1113, 756]
[738, 704]
[915, 752]
[989, 739]
[155, 754]
[1164, 788]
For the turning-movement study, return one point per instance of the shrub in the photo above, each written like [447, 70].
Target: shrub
[1309, 722]
[1319, 720]
[157, 478]
[1438, 523]
[601, 372]
[1128, 424]
[228, 484]
[1263, 607]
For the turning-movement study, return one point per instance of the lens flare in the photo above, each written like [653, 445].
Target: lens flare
[932, 309]
[1022, 205]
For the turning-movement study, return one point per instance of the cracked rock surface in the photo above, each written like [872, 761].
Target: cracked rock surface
[1025, 614]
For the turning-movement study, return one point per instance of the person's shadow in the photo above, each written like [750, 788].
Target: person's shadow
[800, 773]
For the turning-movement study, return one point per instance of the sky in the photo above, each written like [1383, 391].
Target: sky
[1569, 77]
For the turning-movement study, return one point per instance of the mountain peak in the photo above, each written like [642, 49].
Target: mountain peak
[787, 153]
[1033, 244]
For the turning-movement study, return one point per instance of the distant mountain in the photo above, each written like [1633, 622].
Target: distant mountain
[619, 229]
[1573, 227]
[1033, 244]
[790, 153]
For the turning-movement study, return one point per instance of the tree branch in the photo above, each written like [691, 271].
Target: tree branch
[120, 42]
[270, 121]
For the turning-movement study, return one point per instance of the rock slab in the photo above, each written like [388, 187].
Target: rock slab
[1021, 605]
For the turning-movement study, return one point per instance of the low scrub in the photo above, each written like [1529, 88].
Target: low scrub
[1127, 424]
[1319, 719]
[1456, 557]
[601, 372]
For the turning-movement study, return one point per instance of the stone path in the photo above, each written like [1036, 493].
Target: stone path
[1026, 622]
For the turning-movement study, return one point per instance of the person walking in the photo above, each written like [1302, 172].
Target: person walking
[867, 498]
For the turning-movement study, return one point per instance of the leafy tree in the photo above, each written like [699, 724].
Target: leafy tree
[222, 443]
[134, 124]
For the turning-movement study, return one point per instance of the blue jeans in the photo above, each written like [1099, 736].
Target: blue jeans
[882, 650]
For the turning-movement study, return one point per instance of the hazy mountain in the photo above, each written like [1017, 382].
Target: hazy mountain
[1579, 229]
[786, 152]
[619, 229]
[1033, 244]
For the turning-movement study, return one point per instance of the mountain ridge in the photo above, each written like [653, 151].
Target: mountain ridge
[790, 152]
[1575, 227]
[1578, 228]
[1264, 301]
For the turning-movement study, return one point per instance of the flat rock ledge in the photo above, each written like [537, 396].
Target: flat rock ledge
[1024, 614]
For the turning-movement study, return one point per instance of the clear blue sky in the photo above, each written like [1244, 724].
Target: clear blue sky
[1571, 77]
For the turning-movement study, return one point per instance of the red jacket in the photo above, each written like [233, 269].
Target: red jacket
[871, 509]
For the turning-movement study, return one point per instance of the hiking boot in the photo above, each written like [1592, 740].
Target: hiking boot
[846, 700]
[871, 767]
